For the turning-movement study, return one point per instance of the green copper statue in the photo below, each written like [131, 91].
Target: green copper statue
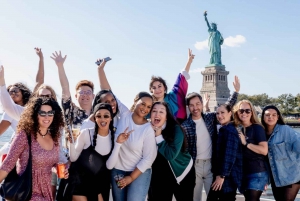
[214, 42]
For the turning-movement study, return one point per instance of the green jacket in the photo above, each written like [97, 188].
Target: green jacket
[180, 162]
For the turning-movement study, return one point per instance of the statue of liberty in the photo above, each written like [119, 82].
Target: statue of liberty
[214, 42]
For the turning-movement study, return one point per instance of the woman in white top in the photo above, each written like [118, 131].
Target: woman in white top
[100, 138]
[133, 156]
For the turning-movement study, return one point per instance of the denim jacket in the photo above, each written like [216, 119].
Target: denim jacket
[284, 155]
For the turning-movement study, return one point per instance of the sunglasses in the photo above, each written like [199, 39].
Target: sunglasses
[85, 92]
[44, 113]
[106, 116]
[14, 91]
[248, 111]
[45, 96]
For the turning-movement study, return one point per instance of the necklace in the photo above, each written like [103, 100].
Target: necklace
[42, 134]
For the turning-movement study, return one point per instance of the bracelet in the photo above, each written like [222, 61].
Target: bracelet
[246, 144]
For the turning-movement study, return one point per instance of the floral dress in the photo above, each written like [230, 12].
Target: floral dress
[42, 163]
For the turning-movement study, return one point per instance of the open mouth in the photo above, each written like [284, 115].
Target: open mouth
[156, 120]
[103, 124]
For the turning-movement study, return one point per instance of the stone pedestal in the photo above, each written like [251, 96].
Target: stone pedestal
[215, 84]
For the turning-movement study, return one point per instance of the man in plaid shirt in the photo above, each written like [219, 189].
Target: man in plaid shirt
[201, 131]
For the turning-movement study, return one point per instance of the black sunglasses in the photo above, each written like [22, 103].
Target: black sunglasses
[106, 116]
[248, 111]
[44, 113]
[14, 91]
[45, 96]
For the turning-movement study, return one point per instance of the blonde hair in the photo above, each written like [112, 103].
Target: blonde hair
[44, 86]
[253, 119]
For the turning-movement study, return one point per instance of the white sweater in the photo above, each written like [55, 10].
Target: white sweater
[139, 151]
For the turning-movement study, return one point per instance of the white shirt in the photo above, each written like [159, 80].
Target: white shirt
[103, 144]
[204, 143]
[138, 151]
[122, 109]
[13, 123]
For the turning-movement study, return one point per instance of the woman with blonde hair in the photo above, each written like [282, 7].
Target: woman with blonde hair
[255, 148]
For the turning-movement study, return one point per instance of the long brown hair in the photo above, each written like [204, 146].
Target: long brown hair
[29, 118]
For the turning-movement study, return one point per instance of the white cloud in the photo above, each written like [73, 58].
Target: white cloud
[197, 70]
[201, 45]
[230, 41]
[234, 41]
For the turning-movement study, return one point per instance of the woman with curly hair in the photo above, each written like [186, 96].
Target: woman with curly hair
[42, 120]
[101, 139]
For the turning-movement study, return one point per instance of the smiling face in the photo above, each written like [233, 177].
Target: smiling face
[110, 99]
[84, 96]
[16, 95]
[45, 122]
[158, 115]
[271, 117]
[245, 113]
[158, 90]
[223, 115]
[195, 107]
[103, 119]
[143, 106]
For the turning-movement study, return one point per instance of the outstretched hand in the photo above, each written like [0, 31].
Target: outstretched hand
[39, 52]
[102, 64]
[206, 101]
[2, 80]
[124, 136]
[236, 84]
[191, 56]
[59, 60]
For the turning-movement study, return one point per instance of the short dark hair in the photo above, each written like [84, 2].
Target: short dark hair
[191, 96]
[280, 118]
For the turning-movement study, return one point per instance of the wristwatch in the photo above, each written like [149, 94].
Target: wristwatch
[222, 176]
[246, 144]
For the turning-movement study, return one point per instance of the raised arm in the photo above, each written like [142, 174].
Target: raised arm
[233, 98]
[190, 60]
[102, 76]
[59, 60]
[40, 74]
[205, 14]
[9, 106]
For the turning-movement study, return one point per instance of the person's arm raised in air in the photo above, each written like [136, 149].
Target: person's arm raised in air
[59, 60]
[102, 76]
[190, 60]
[40, 74]
[9, 106]
[233, 98]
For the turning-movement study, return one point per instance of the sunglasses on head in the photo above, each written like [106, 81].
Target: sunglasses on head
[44, 113]
[106, 116]
[14, 91]
[248, 111]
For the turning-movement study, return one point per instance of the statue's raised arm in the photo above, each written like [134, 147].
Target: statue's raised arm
[208, 25]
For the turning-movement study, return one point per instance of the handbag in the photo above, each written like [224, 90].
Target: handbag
[91, 160]
[18, 187]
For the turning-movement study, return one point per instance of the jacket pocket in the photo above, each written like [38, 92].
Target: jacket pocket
[280, 151]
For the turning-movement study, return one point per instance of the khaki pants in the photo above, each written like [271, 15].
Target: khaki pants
[204, 177]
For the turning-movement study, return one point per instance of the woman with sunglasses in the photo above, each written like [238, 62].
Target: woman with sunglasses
[176, 97]
[284, 154]
[228, 170]
[173, 172]
[134, 155]
[42, 120]
[255, 148]
[101, 139]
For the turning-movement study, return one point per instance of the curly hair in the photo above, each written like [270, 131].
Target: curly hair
[168, 132]
[26, 92]
[44, 86]
[29, 118]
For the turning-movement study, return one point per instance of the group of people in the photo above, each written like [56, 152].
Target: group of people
[153, 149]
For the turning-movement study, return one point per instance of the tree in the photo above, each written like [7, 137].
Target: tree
[287, 103]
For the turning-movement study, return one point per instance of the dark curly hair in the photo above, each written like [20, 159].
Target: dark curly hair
[98, 99]
[112, 129]
[168, 132]
[26, 92]
[29, 118]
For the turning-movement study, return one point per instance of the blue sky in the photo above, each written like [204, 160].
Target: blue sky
[146, 38]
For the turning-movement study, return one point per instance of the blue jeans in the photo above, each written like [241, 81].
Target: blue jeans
[136, 191]
[256, 181]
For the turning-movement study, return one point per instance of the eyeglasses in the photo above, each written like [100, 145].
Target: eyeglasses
[46, 96]
[85, 92]
[14, 91]
[106, 116]
[248, 111]
[44, 113]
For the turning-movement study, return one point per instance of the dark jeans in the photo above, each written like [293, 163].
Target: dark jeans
[220, 196]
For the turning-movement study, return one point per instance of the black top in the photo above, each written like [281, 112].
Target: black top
[254, 162]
